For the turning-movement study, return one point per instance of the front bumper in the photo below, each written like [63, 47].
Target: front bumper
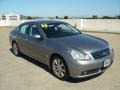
[82, 69]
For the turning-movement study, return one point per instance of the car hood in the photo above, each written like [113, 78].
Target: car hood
[81, 42]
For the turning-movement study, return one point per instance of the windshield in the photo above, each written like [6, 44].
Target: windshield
[58, 30]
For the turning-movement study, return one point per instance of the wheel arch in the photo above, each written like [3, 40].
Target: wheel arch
[57, 55]
[14, 41]
[62, 58]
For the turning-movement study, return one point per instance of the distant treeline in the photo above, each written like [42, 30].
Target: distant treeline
[104, 17]
[67, 17]
[93, 17]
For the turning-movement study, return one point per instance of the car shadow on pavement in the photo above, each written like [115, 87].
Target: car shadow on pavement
[35, 62]
[46, 68]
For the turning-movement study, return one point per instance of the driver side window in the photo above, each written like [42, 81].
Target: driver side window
[34, 30]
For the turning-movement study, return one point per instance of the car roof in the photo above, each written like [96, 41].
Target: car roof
[45, 22]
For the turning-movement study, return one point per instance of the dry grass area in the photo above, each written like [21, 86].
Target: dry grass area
[24, 73]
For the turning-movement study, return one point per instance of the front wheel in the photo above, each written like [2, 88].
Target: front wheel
[59, 68]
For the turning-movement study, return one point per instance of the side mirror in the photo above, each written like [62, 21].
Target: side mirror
[75, 26]
[36, 36]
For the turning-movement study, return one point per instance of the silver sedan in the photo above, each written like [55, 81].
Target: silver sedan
[66, 51]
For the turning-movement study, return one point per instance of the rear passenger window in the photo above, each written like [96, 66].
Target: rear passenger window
[24, 29]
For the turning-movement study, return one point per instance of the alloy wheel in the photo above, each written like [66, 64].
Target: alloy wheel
[58, 68]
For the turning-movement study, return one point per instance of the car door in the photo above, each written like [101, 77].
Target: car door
[22, 37]
[36, 45]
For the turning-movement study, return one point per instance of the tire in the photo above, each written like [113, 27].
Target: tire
[59, 68]
[15, 49]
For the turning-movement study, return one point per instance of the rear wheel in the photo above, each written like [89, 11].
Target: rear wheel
[15, 49]
[59, 68]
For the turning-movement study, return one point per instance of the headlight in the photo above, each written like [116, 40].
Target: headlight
[78, 55]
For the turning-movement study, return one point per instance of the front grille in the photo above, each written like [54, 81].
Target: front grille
[101, 54]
